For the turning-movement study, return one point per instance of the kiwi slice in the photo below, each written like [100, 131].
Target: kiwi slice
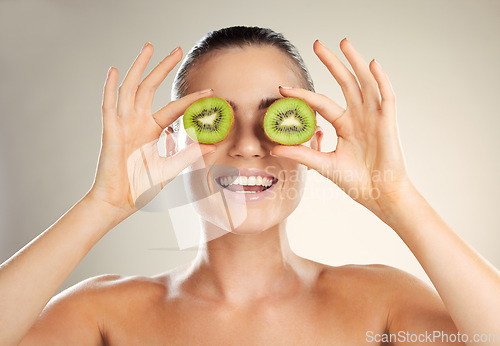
[289, 121]
[208, 120]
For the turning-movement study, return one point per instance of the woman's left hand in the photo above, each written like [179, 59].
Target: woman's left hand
[368, 162]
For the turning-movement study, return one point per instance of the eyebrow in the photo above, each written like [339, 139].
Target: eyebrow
[264, 103]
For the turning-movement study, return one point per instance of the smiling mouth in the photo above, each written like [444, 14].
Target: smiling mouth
[246, 183]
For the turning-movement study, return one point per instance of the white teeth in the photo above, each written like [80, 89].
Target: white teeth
[251, 181]
[259, 181]
[246, 181]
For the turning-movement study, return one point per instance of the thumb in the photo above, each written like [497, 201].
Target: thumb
[175, 164]
[317, 160]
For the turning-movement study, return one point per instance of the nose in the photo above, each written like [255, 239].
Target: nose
[247, 142]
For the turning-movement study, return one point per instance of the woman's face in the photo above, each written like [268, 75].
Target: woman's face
[248, 78]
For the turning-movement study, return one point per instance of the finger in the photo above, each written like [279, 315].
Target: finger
[339, 71]
[109, 94]
[167, 115]
[147, 88]
[309, 157]
[326, 107]
[369, 88]
[175, 164]
[128, 88]
[109, 112]
[388, 102]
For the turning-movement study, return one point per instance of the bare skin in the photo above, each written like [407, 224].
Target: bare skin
[248, 287]
[339, 309]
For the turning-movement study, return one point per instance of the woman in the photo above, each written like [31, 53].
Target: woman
[246, 286]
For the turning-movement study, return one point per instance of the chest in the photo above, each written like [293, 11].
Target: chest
[294, 323]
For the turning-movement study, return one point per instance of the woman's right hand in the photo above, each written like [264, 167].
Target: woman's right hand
[130, 171]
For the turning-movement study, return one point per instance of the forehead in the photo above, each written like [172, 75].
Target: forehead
[251, 70]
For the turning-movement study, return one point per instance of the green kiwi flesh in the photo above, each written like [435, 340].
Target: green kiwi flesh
[208, 120]
[289, 121]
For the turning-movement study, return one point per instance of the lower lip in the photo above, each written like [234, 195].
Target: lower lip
[248, 197]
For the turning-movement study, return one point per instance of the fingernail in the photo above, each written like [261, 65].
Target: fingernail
[205, 91]
[174, 51]
[285, 87]
[147, 44]
[376, 62]
[321, 43]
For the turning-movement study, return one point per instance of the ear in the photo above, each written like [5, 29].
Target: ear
[170, 142]
[316, 139]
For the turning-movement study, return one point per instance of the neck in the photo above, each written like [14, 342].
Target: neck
[240, 268]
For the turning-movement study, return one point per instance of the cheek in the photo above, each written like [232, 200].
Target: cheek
[290, 191]
[295, 173]
[297, 180]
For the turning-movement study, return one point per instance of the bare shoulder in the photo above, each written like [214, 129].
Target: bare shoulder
[119, 286]
[82, 311]
[378, 278]
[103, 290]
[403, 300]
[390, 285]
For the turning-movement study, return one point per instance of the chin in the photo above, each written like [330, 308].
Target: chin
[244, 218]
[240, 218]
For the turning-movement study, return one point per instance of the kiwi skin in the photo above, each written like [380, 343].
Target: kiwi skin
[311, 116]
[205, 100]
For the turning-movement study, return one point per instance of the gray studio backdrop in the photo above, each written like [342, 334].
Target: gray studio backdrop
[442, 58]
